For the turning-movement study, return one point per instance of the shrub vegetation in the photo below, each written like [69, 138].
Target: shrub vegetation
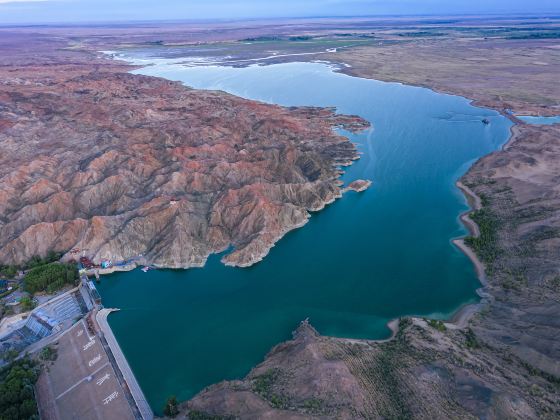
[171, 408]
[437, 324]
[10, 271]
[50, 277]
[485, 245]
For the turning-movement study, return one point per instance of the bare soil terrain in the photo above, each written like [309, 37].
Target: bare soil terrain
[123, 165]
[496, 73]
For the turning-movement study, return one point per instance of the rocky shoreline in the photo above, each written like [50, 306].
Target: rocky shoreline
[149, 167]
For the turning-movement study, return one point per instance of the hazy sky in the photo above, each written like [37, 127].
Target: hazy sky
[39, 11]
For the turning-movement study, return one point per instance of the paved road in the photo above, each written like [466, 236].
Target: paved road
[135, 390]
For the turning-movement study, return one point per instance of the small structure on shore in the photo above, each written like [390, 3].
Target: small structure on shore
[106, 263]
[86, 262]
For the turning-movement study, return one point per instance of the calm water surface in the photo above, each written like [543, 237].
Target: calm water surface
[540, 120]
[362, 261]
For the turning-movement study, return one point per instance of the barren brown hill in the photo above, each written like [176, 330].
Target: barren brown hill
[122, 165]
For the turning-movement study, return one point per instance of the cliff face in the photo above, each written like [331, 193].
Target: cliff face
[121, 165]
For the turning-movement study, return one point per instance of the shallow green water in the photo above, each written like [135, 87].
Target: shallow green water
[365, 259]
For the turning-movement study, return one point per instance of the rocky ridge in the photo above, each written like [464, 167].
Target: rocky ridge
[123, 165]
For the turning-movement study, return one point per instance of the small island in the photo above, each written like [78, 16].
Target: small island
[358, 186]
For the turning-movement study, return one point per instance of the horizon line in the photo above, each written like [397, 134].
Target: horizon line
[524, 15]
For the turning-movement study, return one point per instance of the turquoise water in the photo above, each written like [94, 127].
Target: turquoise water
[540, 120]
[362, 261]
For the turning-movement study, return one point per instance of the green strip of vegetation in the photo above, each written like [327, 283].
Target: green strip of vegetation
[37, 261]
[420, 34]
[485, 245]
[553, 379]
[17, 399]
[539, 35]
[10, 271]
[262, 39]
[300, 38]
[50, 278]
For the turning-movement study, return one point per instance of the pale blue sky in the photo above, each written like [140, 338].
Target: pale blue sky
[75, 11]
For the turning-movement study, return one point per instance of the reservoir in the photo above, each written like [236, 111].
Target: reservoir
[540, 120]
[364, 260]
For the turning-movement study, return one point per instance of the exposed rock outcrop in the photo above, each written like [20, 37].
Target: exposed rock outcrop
[122, 165]
[358, 186]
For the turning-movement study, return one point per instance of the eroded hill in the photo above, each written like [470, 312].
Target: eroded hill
[124, 165]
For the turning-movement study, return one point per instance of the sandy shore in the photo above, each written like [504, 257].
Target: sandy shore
[476, 204]
[461, 317]
[393, 325]
[514, 133]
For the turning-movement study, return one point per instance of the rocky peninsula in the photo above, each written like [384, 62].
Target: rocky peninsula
[123, 165]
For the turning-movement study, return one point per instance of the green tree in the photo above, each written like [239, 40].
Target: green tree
[27, 304]
[10, 355]
[17, 400]
[52, 256]
[50, 277]
[49, 353]
[171, 408]
[8, 271]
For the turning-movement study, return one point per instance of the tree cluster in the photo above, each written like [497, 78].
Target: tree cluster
[17, 399]
[50, 277]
